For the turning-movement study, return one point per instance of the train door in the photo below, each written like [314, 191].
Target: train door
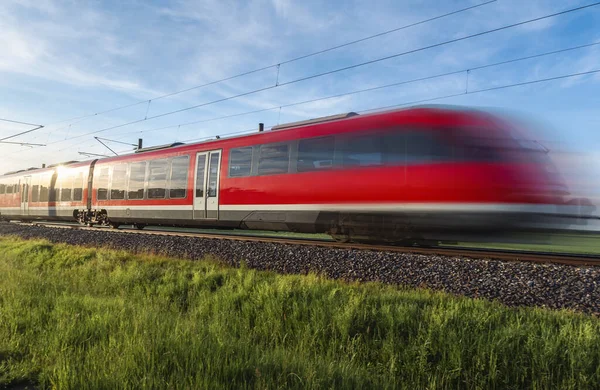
[206, 185]
[25, 195]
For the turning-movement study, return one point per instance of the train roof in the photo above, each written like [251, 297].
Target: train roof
[69, 164]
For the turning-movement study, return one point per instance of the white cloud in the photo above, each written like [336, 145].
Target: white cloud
[62, 48]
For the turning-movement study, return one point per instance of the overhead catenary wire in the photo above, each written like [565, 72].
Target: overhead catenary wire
[413, 102]
[430, 77]
[462, 93]
[277, 65]
[513, 85]
[425, 78]
[439, 44]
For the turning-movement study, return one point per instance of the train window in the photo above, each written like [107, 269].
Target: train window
[78, 187]
[66, 188]
[470, 148]
[35, 189]
[35, 192]
[315, 154]
[274, 159]
[362, 151]
[137, 178]
[102, 183]
[118, 182]
[44, 185]
[213, 174]
[178, 179]
[157, 179]
[426, 146]
[240, 162]
[200, 171]
[394, 148]
[9, 188]
[2, 189]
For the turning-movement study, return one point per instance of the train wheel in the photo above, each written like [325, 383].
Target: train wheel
[114, 225]
[139, 226]
[340, 235]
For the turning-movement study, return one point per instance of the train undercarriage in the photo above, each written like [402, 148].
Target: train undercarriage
[407, 229]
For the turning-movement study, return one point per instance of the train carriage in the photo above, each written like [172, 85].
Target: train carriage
[53, 193]
[393, 176]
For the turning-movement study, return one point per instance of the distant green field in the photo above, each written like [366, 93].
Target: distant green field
[78, 318]
[554, 242]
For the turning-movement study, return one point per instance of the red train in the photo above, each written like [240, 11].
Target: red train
[393, 176]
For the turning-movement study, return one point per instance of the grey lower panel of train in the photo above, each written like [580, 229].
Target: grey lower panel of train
[37, 213]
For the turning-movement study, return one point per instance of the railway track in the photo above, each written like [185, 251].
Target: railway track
[476, 253]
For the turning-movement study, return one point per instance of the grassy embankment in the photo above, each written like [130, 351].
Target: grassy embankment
[84, 318]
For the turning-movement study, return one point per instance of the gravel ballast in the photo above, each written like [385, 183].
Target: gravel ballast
[512, 283]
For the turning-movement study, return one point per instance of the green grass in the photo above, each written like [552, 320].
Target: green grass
[581, 243]
[76, 318]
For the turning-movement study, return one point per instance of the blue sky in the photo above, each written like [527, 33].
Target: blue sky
[64, 59]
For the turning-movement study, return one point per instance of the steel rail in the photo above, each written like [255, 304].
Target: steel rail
[574, 259]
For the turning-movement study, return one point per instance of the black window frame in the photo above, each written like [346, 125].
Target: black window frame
[262, 158]
[124, 179]
[333, 165]
[170, 176]
[66, 187]
[144, 180]
[231, 162]
[35, 188]
[441, 147]
[106, 184]
[149, 178]
[45, 189]
[346, 149]
[78, 186]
